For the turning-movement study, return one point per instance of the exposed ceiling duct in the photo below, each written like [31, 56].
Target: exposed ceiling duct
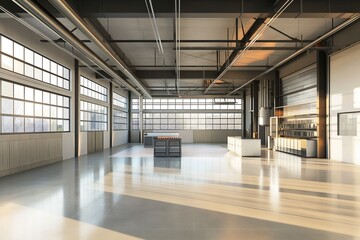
[297, 53]
[55, 26]
[95, 38]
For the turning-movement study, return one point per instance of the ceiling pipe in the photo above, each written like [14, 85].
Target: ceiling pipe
[55, 26]
[307, 47]
[152, 17]
[257, 36]
[98, 40]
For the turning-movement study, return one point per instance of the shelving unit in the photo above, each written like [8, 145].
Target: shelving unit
[297, 114]
[167, 147]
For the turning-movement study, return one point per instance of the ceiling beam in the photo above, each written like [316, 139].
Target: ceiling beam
[191, 41]
[188, 66]
[210, 9]
[252, 30]
[192, 74]
[251, 48]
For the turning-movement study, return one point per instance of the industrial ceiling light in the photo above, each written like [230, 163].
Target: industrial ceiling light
[151, 13]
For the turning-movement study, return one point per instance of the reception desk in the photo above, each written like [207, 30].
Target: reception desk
[245, 147]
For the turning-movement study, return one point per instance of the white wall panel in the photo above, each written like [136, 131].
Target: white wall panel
[344, 97]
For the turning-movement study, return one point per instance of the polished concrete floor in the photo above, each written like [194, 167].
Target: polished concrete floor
[209, 193]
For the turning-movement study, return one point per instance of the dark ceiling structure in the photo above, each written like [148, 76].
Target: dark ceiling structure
[210, 48]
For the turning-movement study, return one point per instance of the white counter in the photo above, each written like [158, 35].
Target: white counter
[245, 147]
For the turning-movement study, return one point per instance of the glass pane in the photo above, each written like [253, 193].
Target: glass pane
[38, 125]
[60, 82]
[29, 125]
[66, 113]
[38, 74]
[18, 51]
[18, 67]
[29, 94]
[60, 70]
[18, 91]
[60, 125]
[53, 99]
[60, 101]
[7, 106]
[6, 89]
[46, 64]
[66, 73]
[53, 125]
[19, 107]
[53, 79]
[38, 60]
[66, 102]
[29, 71]
[46, 111]
[46, 77]
[53, 111]
[60, 112]
[38, 95]
[7, 62]
[29, 109]
[6, 45]
[46, 97]
[7, 124]
[66, 84]
[29, 56]
[38, 110]
[18, 124]
[46, 125]
[53, 67]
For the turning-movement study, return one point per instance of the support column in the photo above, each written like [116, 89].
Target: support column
[111, 128]
[77, 107]
[141, 127]
[129, 117]
[244, 115]
[255, 109]
[321, 103]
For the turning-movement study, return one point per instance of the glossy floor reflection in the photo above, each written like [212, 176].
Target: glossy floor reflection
[209, 193]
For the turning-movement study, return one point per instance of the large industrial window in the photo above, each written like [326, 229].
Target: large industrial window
[93, 117]
[92, 89]
[120, 120]
[192, 104]
[120, 115]
[27, 110]
[191, 114]
[22, 60]
[135, 121]
[119, 100]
